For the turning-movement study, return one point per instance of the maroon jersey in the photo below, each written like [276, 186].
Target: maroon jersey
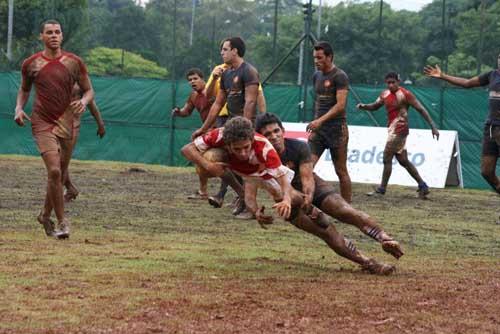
[53, 80]
[264, 161]
[202, 104]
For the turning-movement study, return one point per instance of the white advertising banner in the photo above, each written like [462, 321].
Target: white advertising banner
[438, 162]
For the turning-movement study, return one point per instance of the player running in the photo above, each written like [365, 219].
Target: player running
[54, 72]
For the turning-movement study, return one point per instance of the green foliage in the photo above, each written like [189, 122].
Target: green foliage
[105, 61]
[364, 48]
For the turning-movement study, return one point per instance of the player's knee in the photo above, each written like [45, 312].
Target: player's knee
[403, 162]
[54, 173]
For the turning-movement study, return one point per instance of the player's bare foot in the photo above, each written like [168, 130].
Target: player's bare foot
[378, 268]
[48, 225]
[392, 247]
[198, 195]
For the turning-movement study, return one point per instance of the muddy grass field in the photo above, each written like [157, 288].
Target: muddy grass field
[143, 259]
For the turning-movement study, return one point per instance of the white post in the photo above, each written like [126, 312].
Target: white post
[10, 29]
[318, 35]
[192, 23]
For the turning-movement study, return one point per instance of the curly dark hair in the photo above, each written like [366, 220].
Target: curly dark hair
[237, 129]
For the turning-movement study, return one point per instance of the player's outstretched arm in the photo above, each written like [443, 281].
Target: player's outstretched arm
[186, 110]
[307, 180]
[101, 130]
[370, 106]
[436, 72]
[284, 208]
[253, 207]
[423, 112]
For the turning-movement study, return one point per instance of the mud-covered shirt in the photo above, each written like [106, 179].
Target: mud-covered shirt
[296, 153]
[233, 82]
[397, 105]
[326, 86]
[492, 80]
[53, 80]
[263, 161]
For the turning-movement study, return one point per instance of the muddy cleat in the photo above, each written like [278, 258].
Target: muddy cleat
[63, 230]
[215, 201]
[239, 207]
[423, 191]
[48, 225]
[245, 215]
[376, 268]
[70, 195]
[392, 247]
[379, 191]
[198, 195]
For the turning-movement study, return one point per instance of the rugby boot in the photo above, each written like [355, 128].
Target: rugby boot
[215, 201]
[62, 231]
[48, 225]
[70, 195]
[379, 191]
[239, 207]
[378, 268]
[423, 191]
[245, 215]
[392, 247]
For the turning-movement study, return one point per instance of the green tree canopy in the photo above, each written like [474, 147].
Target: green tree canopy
[118, 62]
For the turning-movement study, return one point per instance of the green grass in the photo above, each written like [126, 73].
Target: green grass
[143, 259]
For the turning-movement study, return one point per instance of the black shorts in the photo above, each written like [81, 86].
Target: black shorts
[491, 140]
[335, 139]
[322, 190]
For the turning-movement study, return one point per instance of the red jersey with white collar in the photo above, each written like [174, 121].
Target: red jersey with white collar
[263, 161]
[53, 80]
[397, 105]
